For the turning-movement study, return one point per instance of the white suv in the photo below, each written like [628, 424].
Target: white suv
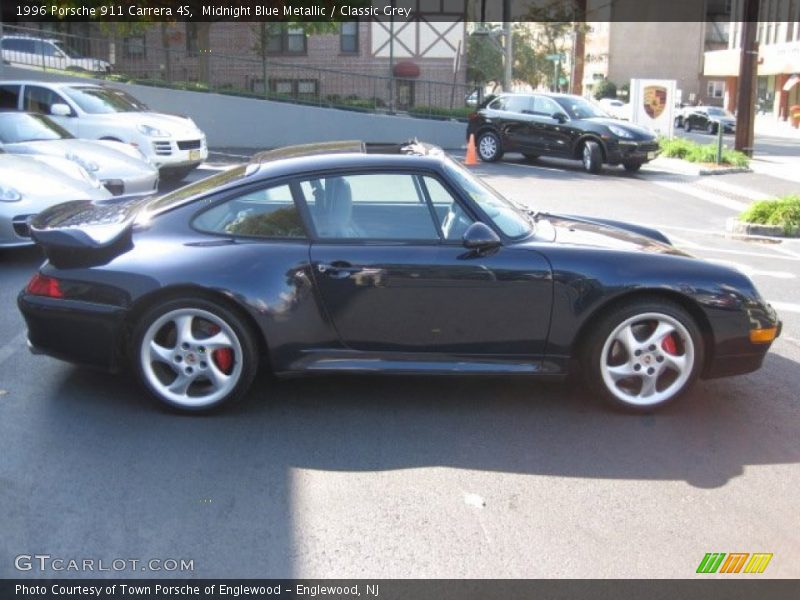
[26, 51]
[173, 143]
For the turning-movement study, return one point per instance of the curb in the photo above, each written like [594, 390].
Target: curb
[735, 226]
[678, 166]
[725, 171]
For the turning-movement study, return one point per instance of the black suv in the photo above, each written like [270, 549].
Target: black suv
[558, 125]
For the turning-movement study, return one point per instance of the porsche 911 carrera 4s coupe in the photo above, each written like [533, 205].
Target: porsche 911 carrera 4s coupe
[346, 257]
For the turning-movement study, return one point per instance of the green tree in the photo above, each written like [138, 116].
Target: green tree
[605, 89]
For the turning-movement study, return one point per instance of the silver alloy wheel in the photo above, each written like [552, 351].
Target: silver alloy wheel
[636, 366]
[488, 147]
[587, 157]
[178, 356]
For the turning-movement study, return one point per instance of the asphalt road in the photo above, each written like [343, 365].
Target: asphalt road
[420, 477]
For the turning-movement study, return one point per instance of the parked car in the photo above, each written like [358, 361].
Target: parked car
[616, 108]
[559, 125]
[173, 143]
[25, 51]
[709, 118]
[332, 259]
[121, 168]
[28, 185]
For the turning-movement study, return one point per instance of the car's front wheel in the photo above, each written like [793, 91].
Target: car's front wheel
[643, 355]
[592, 156]
[194, 354]
[489, 146]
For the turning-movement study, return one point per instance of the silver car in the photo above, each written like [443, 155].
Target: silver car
[28, 185]
[121, 168]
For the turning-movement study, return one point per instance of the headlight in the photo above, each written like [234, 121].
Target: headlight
[9, 194]
[89, 165]
[152, 131]
[620, 132]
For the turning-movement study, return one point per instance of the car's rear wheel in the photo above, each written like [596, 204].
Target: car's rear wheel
[489, 146]
[632, 167]
[194, 355]
[592, 156]
[643, 355]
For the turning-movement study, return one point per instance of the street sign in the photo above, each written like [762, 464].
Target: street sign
[554, 56]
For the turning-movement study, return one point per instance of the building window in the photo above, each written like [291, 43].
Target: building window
[191, 38]
[286, 40]
[134, 47]
[716, 89]
[348, 37]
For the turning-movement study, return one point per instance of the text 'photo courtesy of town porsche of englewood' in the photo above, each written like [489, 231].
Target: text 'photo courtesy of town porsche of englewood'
[399, 298]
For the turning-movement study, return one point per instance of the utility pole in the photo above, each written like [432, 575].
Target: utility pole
[508, 57]
[578, 48]
[748, 65]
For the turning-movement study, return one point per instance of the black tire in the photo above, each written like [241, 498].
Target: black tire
[210, 324]
[678, 122]
[687, 126]
[632, 167]
[489, 146]
[530, 157]
[591, 156]
[611, 369]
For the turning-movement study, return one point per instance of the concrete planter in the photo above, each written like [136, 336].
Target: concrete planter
[735, 226]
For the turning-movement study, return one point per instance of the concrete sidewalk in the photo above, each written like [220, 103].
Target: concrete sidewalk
[767, 125]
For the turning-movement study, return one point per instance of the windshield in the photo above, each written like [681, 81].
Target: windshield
[578, 108]
[718, 112]
[21, 127]
[173, 199]
[97, 100]
[507, 218]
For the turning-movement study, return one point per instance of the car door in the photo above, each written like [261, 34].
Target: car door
[554, 133]
[39, 99]
[392, 281]
[512, 115]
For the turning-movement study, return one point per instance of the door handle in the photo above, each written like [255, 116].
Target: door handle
[339, 269]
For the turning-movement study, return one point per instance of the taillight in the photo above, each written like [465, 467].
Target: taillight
[42, 285]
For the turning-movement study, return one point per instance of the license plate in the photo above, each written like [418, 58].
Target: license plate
[651, 155]
[194, 154]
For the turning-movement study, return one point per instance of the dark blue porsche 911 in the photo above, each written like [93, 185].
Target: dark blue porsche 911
[346, 257]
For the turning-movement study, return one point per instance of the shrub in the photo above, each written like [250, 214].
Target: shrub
[701, 153]
[605, 89]
[783, 212]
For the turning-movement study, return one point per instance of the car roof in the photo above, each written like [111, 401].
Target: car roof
[54, 83]
[28, 37]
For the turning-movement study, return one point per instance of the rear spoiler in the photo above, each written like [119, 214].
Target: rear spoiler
[85, 231]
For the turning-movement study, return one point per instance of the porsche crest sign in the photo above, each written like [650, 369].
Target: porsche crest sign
[653, 103]
[655, 100]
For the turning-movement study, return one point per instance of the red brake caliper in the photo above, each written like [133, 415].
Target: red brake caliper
[223, 357]
[669, 345]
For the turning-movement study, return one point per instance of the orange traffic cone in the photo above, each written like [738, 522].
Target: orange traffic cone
[472, 153]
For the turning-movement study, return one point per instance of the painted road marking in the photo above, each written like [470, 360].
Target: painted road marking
[689, 190]
[791, 307]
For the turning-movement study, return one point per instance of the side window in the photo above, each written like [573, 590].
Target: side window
[499, 104]
[269, 213]
[375, 206]
[46, 49]
[546, 106]
[39, 99]
[9, 96]
[518, 104]
[452, 218]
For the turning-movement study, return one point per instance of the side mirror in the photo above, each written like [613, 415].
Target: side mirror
[60, 110]
[560, 117]
[480, 236]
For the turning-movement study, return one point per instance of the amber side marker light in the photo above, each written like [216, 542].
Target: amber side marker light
[763, 336]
